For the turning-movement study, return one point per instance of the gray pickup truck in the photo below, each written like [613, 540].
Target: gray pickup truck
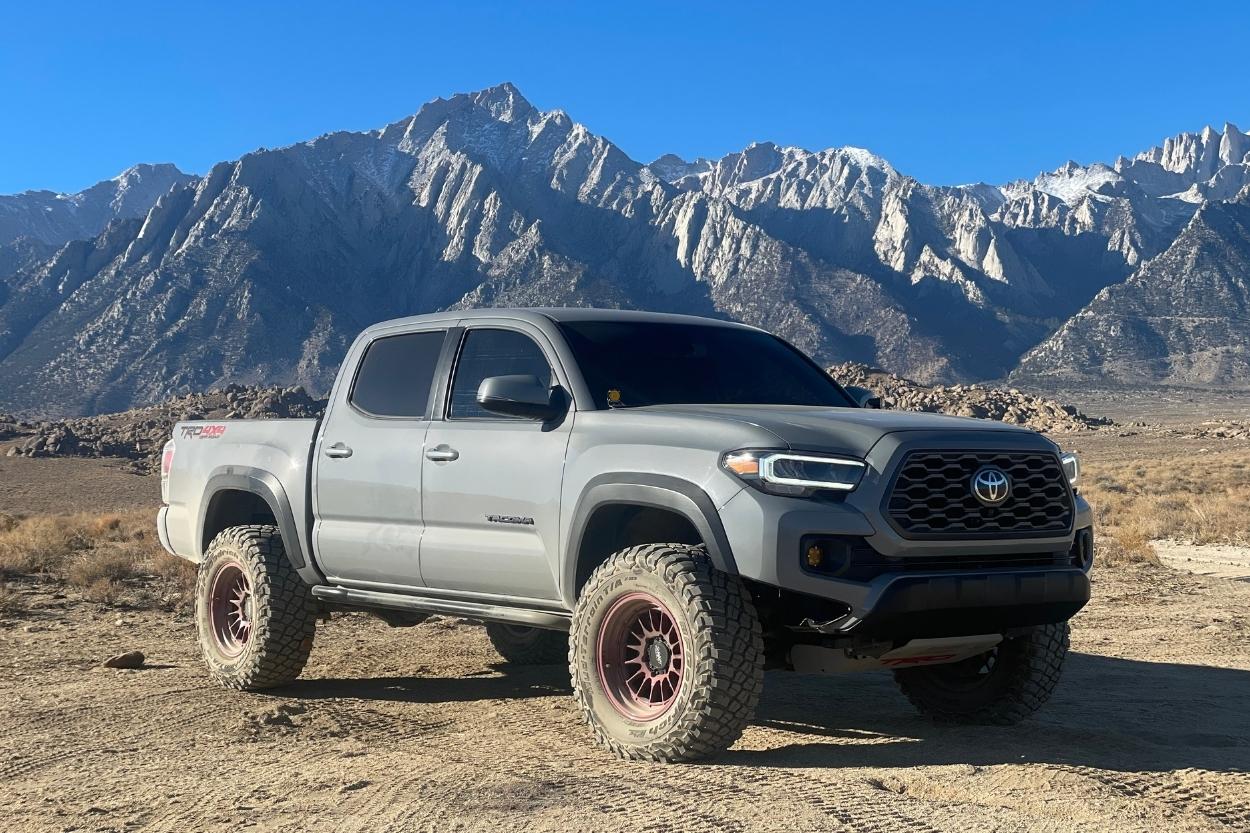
[670, 504]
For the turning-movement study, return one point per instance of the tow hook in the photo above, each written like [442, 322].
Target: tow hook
[840, 625]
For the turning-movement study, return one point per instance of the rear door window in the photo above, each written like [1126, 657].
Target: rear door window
[397, 373]
[485, 353]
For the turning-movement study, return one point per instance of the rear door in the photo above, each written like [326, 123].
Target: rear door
[491, 483]
[367, 477]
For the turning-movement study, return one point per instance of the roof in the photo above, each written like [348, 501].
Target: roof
[537, 315]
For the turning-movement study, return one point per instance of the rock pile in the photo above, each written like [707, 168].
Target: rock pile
[1003, 404]
[1222, 430]
[140, 433]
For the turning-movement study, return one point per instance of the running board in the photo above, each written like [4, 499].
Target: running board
[450, 607]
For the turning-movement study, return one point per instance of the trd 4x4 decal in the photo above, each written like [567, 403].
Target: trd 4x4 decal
[202, 432]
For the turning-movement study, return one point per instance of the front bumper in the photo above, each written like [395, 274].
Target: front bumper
[959, 604]
[916, 588]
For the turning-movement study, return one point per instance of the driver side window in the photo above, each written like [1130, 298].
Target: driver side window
[488, 352]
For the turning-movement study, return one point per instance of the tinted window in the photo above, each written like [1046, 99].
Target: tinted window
[396, 374]
[493, 353]
[661, 363]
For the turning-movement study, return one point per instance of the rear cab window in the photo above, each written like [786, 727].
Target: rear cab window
[396, 375]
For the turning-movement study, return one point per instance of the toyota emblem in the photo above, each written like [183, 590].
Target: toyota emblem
[991, 485]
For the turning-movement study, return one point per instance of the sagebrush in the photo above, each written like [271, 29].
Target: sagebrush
[110, 558]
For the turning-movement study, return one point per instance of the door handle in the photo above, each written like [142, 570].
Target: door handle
[338, 450]
[442, 454]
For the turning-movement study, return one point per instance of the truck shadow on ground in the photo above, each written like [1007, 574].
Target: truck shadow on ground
[515, 682]
[1107, 713]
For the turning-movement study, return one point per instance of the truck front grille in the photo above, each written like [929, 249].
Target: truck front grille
[931, 496]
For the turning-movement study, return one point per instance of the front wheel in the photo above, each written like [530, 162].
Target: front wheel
[666, 654]
[1000, 687]
[255, 615]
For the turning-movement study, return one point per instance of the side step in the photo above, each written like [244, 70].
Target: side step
[451, 607]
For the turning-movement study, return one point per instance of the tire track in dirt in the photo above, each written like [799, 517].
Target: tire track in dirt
[1189, 791]
[89, 724]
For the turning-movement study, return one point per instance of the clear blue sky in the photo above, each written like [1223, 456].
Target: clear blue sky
[949, 92]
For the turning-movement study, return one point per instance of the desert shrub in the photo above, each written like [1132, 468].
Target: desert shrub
[116, 562]
[111, 558]
[102, 591]
[12, 603]
[176, 571]
[175, 587]
[42, 544]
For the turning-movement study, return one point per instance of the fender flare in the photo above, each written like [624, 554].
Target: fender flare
[643, 489]
[268, 488]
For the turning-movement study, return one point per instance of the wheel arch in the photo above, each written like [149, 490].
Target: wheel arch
[235, 497]
[614, 509]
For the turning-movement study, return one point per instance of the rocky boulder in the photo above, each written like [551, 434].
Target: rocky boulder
[140, 433]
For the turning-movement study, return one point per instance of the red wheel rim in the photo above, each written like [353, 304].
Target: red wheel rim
[640, 656]
[230, 608]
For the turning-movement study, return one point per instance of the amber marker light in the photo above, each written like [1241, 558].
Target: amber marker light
[743, 465]
[815, 555]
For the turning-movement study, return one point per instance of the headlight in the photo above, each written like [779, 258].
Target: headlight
[784, 473]
[1071, 467]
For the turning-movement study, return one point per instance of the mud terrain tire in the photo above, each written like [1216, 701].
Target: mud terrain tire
[999, 688]
[520, 645]
[666, 654]
[255, 616]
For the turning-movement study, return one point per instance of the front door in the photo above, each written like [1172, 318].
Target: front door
[367, 475]
[491, 483]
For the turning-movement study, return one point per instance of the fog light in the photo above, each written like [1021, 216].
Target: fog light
[815, 555]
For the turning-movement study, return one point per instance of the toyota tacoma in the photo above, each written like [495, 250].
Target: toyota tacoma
[670, 504]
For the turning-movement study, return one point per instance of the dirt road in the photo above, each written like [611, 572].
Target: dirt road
[419, 729]
[1206, 559]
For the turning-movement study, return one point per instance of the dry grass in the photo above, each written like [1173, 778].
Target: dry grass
[1138, 501]
[113, 558]
[42, 545]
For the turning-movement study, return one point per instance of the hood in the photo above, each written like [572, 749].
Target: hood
[839, 430]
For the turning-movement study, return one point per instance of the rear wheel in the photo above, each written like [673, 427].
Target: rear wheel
[520, 645]
[255, 615]
[666, 654]
[1000, 687]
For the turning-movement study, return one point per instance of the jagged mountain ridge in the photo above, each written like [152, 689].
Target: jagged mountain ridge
[1183, 318]
[264, 269]
[55, 219]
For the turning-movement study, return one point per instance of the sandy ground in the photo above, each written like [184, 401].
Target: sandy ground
[422, 729]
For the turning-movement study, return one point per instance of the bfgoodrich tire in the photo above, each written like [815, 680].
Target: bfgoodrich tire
[520, 645]
[255, 616]
[1000, 687]
[666, 654]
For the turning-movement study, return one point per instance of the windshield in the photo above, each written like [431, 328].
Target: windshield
[633, 363]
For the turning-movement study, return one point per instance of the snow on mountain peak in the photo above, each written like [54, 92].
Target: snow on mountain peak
[1071, 182]
[866, 158]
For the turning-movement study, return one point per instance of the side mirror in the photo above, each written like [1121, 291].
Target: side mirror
[863, 397]
[519, 396]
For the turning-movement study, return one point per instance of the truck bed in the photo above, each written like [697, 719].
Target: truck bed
[272, 454]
